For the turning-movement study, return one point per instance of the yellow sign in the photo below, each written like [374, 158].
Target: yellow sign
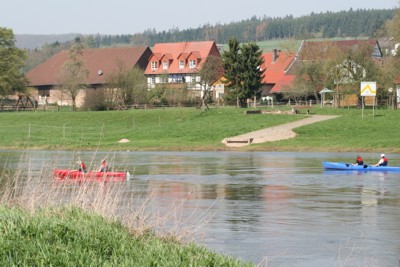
[368, 88]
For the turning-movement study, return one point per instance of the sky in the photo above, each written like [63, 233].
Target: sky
[135, 16]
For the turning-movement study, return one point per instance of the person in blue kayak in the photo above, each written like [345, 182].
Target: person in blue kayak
[359, 161]
[383, 161]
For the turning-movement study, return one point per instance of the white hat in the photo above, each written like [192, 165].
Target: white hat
[382, 155]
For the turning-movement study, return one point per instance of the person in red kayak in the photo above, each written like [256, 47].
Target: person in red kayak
[383, 161]
[103, 167]
[359, 161]
[81, 166]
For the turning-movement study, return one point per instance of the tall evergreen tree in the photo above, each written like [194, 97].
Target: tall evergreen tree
[252, 75]
[242, 70]
[231, 64]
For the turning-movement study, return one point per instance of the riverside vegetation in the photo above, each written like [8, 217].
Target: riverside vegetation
[44, 222]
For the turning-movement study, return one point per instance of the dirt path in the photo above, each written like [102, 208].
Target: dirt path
[271, 134]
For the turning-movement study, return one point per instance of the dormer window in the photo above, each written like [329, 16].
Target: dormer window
[154, 65]
[192, 64]
[181, 64]
[165, 65]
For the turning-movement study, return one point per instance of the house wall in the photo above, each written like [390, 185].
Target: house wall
[218, 90]
[57, 96]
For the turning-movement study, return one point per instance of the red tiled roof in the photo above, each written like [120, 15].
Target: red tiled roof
[105, 60]
[186, 51]
[284, 84]
[275, 70]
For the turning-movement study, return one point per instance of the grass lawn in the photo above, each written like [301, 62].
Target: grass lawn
[354, 131]
[193, 129]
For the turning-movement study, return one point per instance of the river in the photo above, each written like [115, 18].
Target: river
[275, 209]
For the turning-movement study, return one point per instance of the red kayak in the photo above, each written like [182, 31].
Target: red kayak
[76, 175]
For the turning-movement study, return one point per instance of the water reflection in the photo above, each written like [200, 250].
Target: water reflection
[283, 206]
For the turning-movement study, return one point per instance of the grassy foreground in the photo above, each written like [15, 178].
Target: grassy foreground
[71, 237]
[192, 129]
[47, 222]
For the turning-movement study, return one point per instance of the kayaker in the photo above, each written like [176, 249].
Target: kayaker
[103, 167]
[383, 161]
[359, 161]
[81, 166]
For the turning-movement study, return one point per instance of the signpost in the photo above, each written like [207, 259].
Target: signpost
[368, 89]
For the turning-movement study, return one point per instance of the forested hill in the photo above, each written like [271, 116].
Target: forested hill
[351, 23]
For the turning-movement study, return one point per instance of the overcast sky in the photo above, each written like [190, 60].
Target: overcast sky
[135, 16]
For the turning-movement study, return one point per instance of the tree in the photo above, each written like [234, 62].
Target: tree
[128, 85]
[252, 75]
[242, 70]
[310, 78]
[12, 59]
[74, 73]
[209, 73]
[392, 27]
[231, 64]
[392, 64]
[347, 68]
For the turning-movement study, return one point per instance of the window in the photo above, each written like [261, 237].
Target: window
[44, 92]
[165, 65]
[176, 79]
[154, 65]
[192, 64]
[153, 80]
[181, 64]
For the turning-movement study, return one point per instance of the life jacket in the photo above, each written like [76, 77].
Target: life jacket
[385, 162]
[360, 161]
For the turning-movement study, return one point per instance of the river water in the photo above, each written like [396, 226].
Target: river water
[275, 209]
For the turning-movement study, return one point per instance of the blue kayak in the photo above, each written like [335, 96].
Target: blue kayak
[351, 167]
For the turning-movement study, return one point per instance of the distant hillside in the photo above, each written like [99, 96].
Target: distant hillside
[32, 41]
[353, 23]
[344, 24]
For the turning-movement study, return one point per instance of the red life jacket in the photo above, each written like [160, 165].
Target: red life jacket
[385, 162]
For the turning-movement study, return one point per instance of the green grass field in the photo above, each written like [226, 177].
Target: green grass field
[192, 129]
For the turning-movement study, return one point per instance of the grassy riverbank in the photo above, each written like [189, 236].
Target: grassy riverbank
[71, 237]
[46, 222]
[192, 129]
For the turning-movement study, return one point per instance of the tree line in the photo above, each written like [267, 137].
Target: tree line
[352, 23]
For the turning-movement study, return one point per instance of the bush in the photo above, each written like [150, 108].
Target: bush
[95, 100]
